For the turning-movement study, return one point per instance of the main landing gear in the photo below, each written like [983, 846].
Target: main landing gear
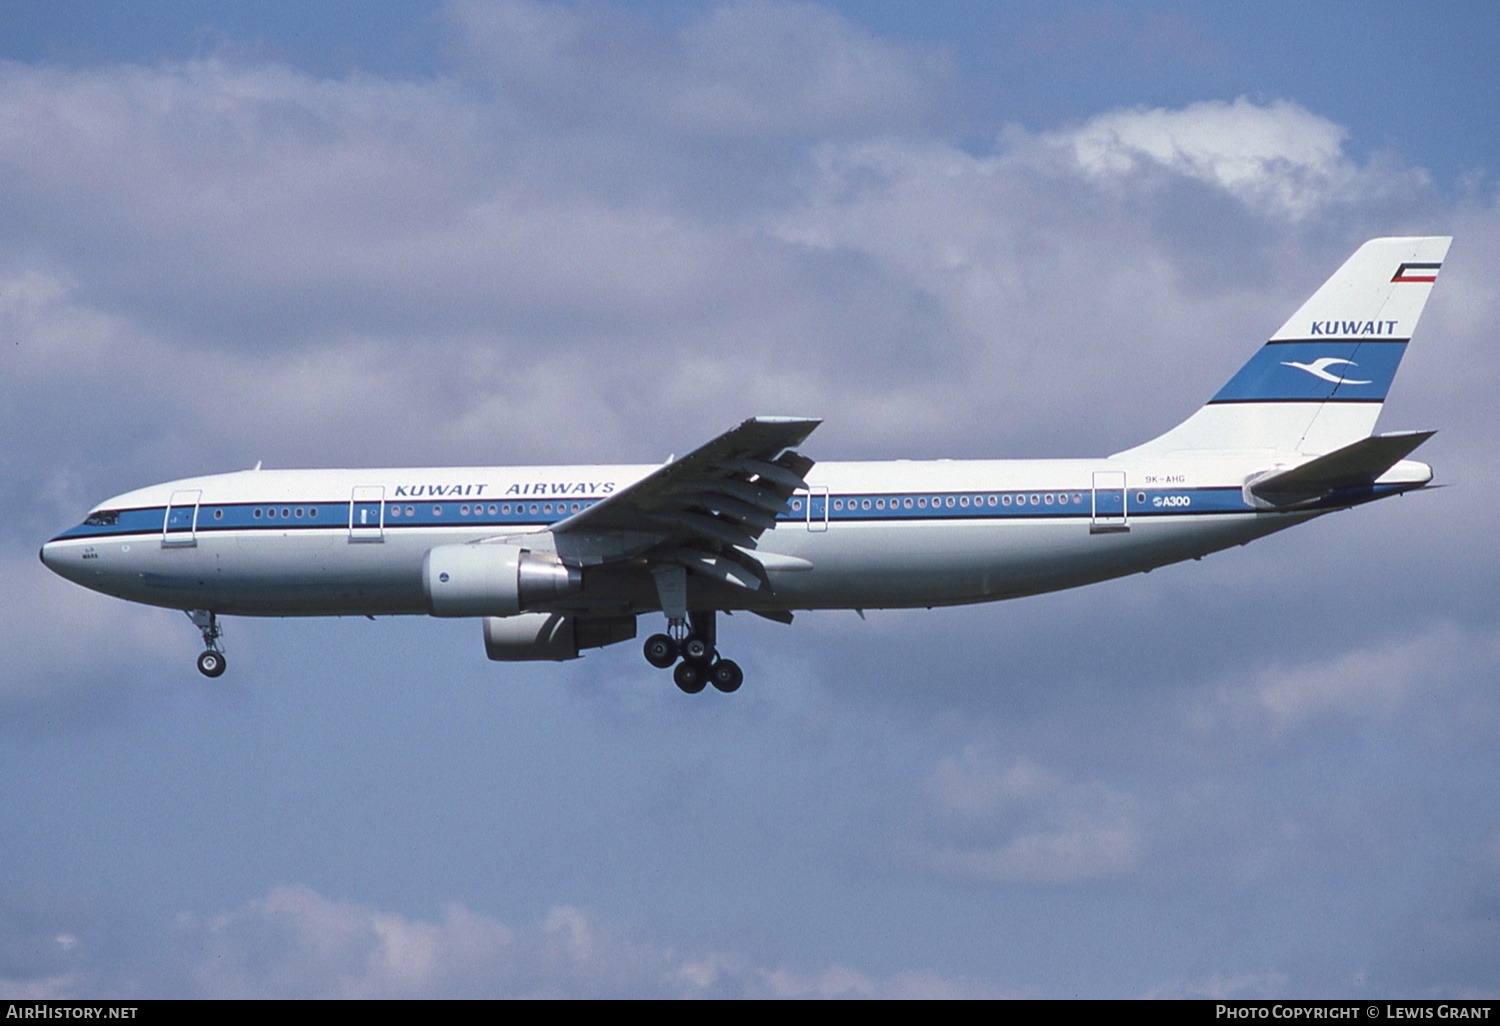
[693, 642]
[211, 660]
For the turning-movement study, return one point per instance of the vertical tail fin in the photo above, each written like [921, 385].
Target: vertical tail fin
[1319, 382]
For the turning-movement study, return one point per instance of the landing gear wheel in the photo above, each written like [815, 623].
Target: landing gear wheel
[211, 662]
[696, 649]
[726, 675]
[661, 651]
[690, 677]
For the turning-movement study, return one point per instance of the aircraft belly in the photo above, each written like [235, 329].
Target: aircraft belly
[325, 574]
[901, 565]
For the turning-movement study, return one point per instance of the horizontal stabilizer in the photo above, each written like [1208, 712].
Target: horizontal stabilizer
[1353, 466]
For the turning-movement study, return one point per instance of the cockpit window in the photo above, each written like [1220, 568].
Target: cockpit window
[103, 518]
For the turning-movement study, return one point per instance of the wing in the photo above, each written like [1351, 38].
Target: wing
[705, 511]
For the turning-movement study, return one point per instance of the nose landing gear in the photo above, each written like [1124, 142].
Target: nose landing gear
[211, 662]
[694, 644]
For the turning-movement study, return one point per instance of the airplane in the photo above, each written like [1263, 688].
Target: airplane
[556, 560]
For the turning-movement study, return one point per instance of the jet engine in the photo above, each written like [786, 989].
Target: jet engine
[555, 636]
[494, 579]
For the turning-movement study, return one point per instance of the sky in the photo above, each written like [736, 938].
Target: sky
[385, 234]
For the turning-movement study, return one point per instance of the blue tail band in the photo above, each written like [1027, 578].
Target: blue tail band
[1317, 371]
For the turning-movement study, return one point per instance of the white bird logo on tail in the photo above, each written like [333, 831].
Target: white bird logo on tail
[1319, 369]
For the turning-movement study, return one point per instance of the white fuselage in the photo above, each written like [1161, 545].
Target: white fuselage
[863, 535]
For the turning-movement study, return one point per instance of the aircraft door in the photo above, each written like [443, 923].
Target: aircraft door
[1109, 510]
[367, 513]
[817, 507]
[180, 526]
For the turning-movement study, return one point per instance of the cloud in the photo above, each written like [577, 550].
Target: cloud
[1222, 987]
[53, 988]
[1278, 157]
[749, 69]
[1425, 677]
[994, 819]
[295, 943]
[294, 265]
[56, 635]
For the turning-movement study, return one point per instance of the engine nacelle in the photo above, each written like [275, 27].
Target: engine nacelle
[493, 580]
[555, 636]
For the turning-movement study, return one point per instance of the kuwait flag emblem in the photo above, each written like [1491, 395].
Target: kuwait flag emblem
[1417, 272]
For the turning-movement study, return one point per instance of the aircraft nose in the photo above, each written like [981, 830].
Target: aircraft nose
[56, 557]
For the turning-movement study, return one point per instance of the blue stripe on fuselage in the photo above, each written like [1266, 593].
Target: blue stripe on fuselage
[1038, 504]
[1011, 505]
